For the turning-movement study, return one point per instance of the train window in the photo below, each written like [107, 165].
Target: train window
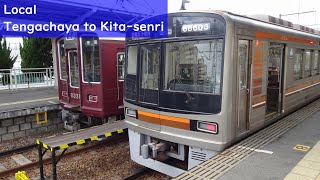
[316, 63]
[150, 57]
[307, 64]
[74, 68]
[91, 60]
[62, 60]
[131, 72]
[194, 66]
[121, 61]
[298, 64]
[243, 57]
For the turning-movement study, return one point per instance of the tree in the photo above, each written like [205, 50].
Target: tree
[36, 53]
[6, 61]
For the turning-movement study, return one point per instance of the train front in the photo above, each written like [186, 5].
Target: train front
[173, 93]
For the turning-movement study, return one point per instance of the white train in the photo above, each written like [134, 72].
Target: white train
[216, 79]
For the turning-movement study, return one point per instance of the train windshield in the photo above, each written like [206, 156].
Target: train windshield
[181, 73]
[194, 66]
[91, 60]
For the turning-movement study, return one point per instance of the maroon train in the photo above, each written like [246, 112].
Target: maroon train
[90, 71]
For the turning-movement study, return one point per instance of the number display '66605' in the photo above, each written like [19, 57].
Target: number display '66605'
[195, 27]
[75, 96]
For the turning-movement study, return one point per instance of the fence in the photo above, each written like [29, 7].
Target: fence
[26, 78]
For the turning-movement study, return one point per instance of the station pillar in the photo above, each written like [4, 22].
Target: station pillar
[54, 57]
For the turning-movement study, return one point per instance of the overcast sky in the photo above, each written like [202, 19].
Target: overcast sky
[250, 7]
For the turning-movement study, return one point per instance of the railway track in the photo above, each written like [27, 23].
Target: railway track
[33, 165]
[18, 150]
[137, 174]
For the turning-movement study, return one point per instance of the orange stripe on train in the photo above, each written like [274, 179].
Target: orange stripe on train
[170, 121]
[284, 38]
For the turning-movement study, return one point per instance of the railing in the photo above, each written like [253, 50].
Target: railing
[26, 78]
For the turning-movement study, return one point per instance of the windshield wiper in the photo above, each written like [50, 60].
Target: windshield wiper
[190, 98]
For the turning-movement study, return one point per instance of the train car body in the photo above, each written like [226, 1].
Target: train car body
[90, 83]
[216, 79]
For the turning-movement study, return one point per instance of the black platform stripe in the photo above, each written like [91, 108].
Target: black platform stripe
[72, 144]
[101, 136]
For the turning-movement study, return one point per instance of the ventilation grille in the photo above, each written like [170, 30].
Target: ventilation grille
[273, 20]
[198, 156]
[305, 29]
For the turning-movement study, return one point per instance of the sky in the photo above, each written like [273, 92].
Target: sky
[268, 7]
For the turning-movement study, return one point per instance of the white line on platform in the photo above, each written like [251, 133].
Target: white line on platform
[256, 150]
[51, 102]
[29, 101]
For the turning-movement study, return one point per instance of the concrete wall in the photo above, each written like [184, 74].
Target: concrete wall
[23, 126]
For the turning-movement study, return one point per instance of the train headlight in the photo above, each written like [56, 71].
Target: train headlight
[131, 112]
[93, 98]
[207, 127]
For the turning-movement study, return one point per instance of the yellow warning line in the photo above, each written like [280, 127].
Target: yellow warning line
[30, 101]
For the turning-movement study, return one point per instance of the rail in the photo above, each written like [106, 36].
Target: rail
[26, 78]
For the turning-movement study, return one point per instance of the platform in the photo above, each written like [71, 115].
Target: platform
[14, 103]
[65, 141]
[82, 137]
[288, 149]
[283, 155]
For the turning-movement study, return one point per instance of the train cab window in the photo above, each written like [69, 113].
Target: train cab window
[316, 63]
[74, 69]
[62, 60]
[298, 64]
[90, 60]
[121, 62]
[194, 66]
[149, 83]
[131, 72]
[307, 64]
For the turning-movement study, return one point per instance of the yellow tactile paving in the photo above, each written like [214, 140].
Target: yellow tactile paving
[317, 147]
[292, 176]
[313, 157]
[305, 171]
[309, 164]
[308, 167]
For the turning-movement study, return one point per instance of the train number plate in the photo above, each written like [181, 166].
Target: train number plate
[195, 27]
[75, 96]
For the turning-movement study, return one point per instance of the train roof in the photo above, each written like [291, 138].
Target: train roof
[267, 22]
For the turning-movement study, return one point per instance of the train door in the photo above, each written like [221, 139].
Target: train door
[244, 84]
[63, 74]
[73, 73]
[274, 85]
[120, 66]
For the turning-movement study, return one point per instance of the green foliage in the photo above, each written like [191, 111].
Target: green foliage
[36, 53]
[6, 60]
